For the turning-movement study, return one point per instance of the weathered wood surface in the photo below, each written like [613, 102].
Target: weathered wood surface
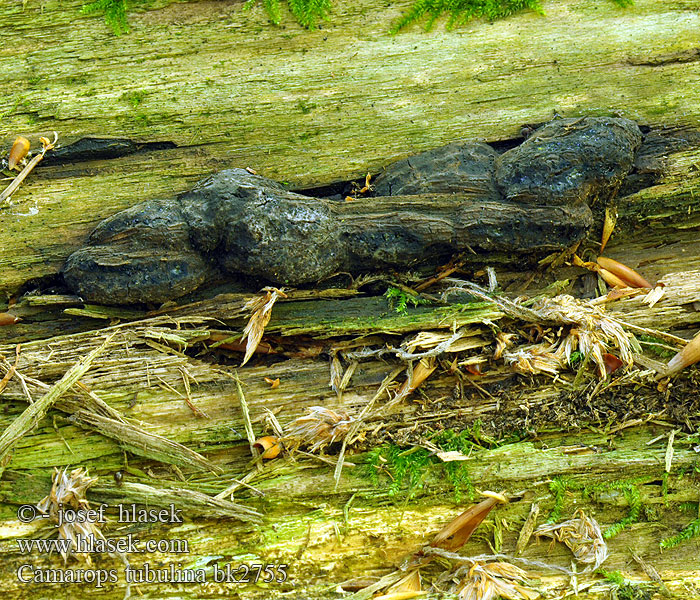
[307, 107]
[312, 108]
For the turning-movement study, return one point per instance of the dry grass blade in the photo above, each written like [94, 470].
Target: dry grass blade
[190, 502]
[495, 580]
[456, 533]
[35, 412]
[68, 491]
[528, 528]
[261, 309]
[250, 434]
[143, 443]
[583, 536]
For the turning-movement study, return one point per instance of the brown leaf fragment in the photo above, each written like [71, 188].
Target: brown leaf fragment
[261, 309]
[629, 277]
[612, 363]
[68, 491]
[268, 446]
[458, 531]
[611, 279]
[8, 319]
[18, 151]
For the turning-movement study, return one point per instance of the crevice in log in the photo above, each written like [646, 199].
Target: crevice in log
[95, 148]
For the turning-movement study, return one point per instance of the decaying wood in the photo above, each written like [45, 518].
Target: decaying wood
[227, 90]
[299, 106]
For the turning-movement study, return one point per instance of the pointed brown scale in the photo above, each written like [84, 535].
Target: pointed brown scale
[611, 279]
[629, 276]
[8, 319]
[18, 151]
[458, 531]
[686, 357]
[608, 226]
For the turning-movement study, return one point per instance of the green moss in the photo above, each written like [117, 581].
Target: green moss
[624, 589]
[690, 531]
[404, 472]
[306, 12]
[309, 12]
[655, 346]
[558, 488]
[630, 490]
[134, 98]
[576, 359]
[114, 13]
[635, 506]
[400, 299]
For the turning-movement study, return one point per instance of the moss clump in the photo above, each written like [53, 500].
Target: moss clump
[306, 12]
[399, 300]
[635, 507]
[406, 469]
[309, 12]
[558, 488]
[631, 493]
[624, 589]
[114, 13]
[690, 531]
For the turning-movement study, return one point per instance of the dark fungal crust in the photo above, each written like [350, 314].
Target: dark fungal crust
[240, 223]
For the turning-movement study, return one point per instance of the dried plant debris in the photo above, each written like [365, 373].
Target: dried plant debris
[68, 491]
[320, 428]
[583, 327]
[261, 311]
[489, 581]
[582, 535]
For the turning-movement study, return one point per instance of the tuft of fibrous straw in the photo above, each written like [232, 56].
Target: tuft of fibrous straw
[590, 331]
[68, 491]
[321, 427]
